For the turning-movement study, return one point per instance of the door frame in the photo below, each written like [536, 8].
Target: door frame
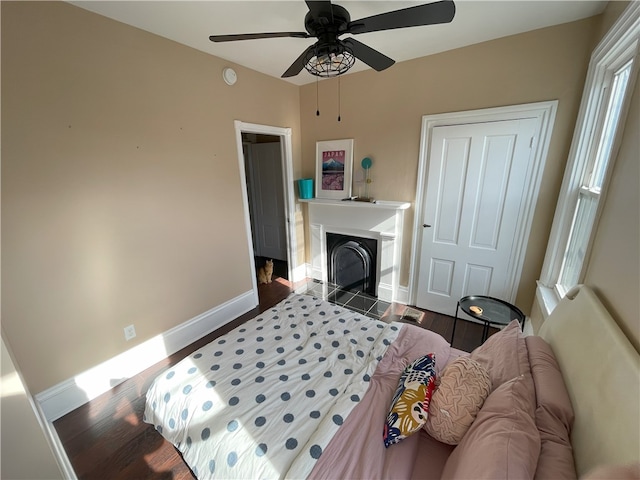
[284, 135]
[545, 113]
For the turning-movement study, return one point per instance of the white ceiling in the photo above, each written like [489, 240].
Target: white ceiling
[191, 23]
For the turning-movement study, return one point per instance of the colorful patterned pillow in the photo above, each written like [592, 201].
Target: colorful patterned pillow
[410, 404]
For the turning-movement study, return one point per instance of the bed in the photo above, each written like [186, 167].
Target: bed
[308, 389]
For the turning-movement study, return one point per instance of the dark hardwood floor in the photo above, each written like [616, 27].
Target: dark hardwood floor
[107, 439]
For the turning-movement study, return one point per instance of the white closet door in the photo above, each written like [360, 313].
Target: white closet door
[476, 178]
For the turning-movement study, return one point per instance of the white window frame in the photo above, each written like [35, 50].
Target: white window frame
[619, 46]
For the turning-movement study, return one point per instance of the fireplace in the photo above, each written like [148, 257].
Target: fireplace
[352, 262]
[380, 222]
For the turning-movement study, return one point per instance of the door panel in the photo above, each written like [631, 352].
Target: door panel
[267, 199]
[450, 182]
[491, 186]
[441, 276]
[477, 279]
[477, 173]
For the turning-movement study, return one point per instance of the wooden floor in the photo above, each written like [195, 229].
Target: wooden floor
[107, 439]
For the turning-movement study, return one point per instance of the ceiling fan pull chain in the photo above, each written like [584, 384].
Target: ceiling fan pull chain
[338, 98]
[317, 108]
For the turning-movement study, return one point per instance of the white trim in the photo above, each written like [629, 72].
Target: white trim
[56, 445]
[300, 273]
[289, 195]
[623, 35]
[68, 395]
[48, 430]
[385, 292]
[402, 295]
[309, 270]
[547, 300]
[624, 30]
[545, 113]
[377, 205]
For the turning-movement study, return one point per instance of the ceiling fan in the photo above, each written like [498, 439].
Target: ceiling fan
[331, 56]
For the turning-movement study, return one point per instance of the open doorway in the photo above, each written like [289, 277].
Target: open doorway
[265, 192]
[265, 161]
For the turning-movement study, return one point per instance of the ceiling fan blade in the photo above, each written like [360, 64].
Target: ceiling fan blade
[255, 36]
[297, 66]
[319, 8]
[368, 55]
[428, 14]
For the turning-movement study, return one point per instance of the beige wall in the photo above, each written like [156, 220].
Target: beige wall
[611, 13]
[121, 198]
[614, 266]
[382, 112]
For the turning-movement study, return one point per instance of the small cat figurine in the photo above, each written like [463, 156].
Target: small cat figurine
[265, 273]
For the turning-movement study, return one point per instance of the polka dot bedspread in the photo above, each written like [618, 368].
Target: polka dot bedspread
[264, 400]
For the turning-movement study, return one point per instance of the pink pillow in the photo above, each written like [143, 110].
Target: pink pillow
[503, 442]
[552, 397]
[554, 413]
[504, 355]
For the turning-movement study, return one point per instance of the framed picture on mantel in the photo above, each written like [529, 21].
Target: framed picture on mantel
[334, 166]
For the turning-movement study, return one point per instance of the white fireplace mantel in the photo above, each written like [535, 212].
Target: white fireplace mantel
[382, 221]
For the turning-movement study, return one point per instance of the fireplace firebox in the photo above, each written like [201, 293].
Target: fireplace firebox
[352, 262]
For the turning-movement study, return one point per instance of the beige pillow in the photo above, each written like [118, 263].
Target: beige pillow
[463, 387]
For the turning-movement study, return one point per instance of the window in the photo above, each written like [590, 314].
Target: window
[591, 187]
[608, 87]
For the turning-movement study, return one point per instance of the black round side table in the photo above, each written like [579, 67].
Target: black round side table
[491, 311]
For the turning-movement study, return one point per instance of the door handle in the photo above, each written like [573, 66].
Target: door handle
[426, 225]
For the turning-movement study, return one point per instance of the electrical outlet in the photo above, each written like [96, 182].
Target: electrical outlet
[129, 332]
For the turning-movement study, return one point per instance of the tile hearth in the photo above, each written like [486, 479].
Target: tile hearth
[356, 301]
[362, 303]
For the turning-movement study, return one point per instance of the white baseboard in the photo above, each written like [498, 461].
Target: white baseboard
[66, 396]
[402, 295]
[385, 292]
[299, 273]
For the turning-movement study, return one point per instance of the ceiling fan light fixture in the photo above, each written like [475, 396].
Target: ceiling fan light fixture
[329, 64]
[330, 56]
